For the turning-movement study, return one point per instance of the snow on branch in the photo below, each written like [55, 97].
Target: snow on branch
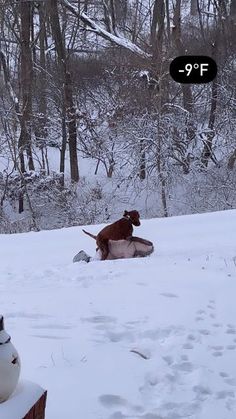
[115, 39]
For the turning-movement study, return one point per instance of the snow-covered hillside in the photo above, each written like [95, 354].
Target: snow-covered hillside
[151, 338]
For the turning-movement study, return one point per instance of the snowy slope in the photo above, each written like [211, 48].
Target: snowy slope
[77, 326]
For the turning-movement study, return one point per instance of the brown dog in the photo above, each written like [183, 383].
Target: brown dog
[132, 247]
[120, 230]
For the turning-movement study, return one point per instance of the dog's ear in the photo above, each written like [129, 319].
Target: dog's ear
[125, 213]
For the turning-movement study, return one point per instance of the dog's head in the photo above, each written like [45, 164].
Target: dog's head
[133, 216]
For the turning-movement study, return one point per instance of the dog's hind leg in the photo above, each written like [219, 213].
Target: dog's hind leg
[103, 247]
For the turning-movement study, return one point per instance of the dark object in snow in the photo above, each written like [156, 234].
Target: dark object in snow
[81, 256]
[139, 353]
[121, 249]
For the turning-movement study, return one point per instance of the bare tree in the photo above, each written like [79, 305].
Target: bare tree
[41, 131]
[232, 160]
[26, 77]
[207, 149]
[157, 32]
[177, 38]
[194, 7]
[67, 88]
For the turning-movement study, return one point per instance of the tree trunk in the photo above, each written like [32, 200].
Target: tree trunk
[110, 15]
[135, 22]
[233, 19]
[157, 33]
[41, 123]
[163, 185]
[142, 167]
[233, 9]
[232, 160]
[176, 33]
[63, 146]
[233, 12]
[194, 8]
[26, 79]
[67, 89]
[21, 201]
[161, 166]
[207, 149]
[186, 88]
[168, 20]
[216, 54]
[113, 16]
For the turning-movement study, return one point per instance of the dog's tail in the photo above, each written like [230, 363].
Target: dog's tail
[89, 234]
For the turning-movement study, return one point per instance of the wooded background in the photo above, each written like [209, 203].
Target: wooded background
[91, 122]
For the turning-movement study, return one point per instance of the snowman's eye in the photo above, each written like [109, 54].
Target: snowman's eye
[15, 360]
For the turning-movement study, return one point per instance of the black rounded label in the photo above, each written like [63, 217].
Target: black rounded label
[194, 69]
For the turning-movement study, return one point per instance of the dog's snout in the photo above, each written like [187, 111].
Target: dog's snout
[135, 218]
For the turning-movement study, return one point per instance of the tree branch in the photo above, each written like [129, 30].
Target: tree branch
[115, 39]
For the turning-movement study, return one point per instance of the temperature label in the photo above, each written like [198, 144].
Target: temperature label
[195, 69]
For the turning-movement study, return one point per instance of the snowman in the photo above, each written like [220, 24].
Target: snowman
[9, 364]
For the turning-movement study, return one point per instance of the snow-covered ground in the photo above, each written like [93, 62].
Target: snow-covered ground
[151, 338]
